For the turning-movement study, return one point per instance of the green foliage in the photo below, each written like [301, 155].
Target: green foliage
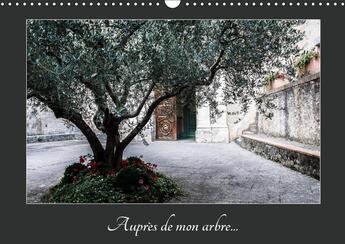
[135, 175]
[72, 172]
[103, 73]
[164, 188]
[304, 59]
[129, 177]
[270, 77]
[87, 189]
[78, 66]
[135, 182]
[133, 159]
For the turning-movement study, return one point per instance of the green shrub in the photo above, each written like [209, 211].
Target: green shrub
[72, 172]
[137, 181]
[165, 188]
[135, 174]
[269, 78]
[87, 189]
[129, 178]
[133, 159]
[304, 59]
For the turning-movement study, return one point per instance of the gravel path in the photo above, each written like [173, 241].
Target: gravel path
[208, 173]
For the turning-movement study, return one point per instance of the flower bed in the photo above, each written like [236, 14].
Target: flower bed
[136, 181]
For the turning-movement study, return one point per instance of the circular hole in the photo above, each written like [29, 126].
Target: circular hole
[172, 3]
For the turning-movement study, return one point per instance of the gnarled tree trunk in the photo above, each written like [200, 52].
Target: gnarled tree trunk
[114, 149]
[95, 144]
[118, 157]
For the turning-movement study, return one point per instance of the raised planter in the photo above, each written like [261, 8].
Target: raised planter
[279, 81]
[308, 63]
[294, 157]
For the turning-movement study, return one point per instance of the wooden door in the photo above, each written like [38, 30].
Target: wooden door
[166, 120]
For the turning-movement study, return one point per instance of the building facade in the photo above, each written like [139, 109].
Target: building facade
[173, 121]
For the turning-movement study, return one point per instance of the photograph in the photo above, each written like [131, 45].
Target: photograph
[173, 111]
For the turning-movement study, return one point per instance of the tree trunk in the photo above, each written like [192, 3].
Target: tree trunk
[114, 148]
[109, 149]
[97, 148]
[77, 120]
[91, 137]
[118, 158]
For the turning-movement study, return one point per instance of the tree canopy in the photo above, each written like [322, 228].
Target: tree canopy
[104, 72]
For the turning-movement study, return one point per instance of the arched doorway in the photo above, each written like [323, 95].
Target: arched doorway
[176, 120]
[186, 120]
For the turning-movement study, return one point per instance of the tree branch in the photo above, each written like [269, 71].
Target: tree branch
[215, 67]
[77, 120]
[100, 99]
[126, 90]
[126, 39]
[37, 96]
[213, 70]
[125, 93]
[148, 114]
[52, 54]
[112, 94]
[141, 105]
[30, 95]
[90, 135]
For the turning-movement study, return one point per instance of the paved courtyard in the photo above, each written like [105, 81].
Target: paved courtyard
[208, 173]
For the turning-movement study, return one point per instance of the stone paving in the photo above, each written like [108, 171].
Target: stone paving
[208, 173]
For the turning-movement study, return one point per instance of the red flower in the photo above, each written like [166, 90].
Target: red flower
[154, 177]
[92, 164]
[81, 159]
[123, 163]
[141, 181]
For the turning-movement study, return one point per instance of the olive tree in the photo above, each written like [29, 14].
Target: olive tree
[103, 73]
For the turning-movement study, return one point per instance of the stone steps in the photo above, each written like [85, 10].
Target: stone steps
[253, 128]
[297, 156]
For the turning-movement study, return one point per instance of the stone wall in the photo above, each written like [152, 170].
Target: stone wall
[297, 118]
[45, 123]
[238, 122]
[43, 126]
[305, 163]
[209, 130]
[297, 113]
